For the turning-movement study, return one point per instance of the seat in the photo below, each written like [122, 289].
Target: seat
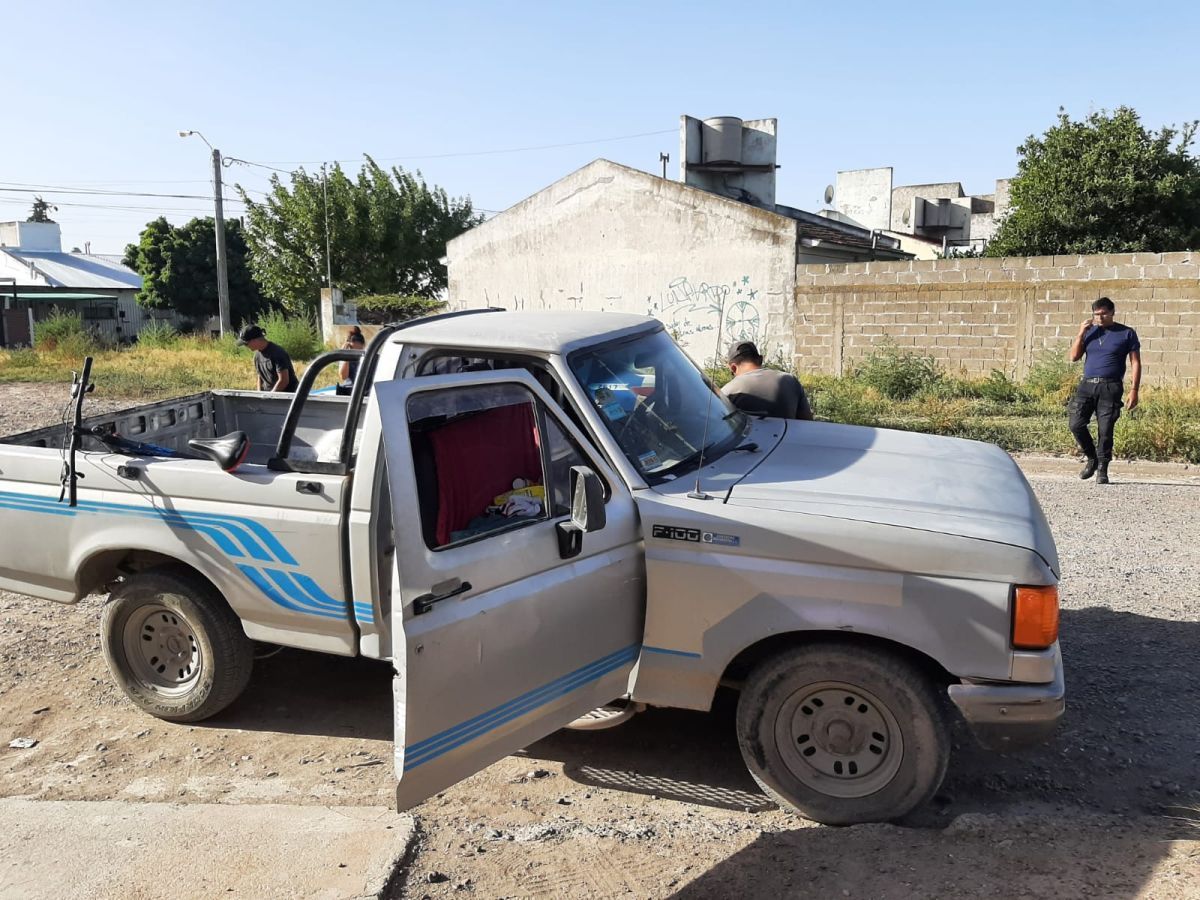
[228, 451]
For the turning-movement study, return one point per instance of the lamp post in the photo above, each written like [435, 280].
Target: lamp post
[218, 204]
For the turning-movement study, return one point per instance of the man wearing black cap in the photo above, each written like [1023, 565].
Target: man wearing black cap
[271, 362]
[769, 392]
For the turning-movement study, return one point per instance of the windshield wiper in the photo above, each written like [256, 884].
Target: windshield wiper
[693, 457]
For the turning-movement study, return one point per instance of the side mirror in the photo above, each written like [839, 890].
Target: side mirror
[587, 511]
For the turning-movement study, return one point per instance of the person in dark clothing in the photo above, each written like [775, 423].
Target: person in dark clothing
[768, 392]
[1107, 345]
[348, 369]
[271, 362]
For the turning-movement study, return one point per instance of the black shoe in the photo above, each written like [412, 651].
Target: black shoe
[1088, 470]
[1102, 474]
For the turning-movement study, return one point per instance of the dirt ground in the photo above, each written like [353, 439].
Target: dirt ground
[663, 807]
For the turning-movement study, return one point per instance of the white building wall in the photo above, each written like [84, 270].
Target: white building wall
[864, 196]
[611, 238]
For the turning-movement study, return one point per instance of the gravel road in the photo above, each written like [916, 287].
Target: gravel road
[662, 806]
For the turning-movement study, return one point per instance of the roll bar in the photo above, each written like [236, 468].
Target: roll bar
[366, 374]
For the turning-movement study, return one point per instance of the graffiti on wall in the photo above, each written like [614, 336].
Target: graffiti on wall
[689, 309]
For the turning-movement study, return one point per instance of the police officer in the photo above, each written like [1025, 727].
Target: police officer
[1107, 345]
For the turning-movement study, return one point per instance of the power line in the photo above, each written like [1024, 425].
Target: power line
[314, 162]
[18, 187]
[76, 204]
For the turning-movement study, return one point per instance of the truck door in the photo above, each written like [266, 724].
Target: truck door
[503, 637]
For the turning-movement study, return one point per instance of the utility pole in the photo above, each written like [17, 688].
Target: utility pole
[222, 263]
[328, 256]
[219, 228]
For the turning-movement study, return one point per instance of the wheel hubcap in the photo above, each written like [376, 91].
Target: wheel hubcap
[839, 740]
[162, 650]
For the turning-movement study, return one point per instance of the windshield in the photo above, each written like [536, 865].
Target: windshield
[655, 402]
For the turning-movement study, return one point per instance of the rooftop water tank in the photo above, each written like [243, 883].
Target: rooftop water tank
[721, 139]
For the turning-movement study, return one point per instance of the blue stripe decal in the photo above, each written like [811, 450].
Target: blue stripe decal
[431, 748]
[316, 592]
[668, 652]
[242, 529]
[271, 591]
[284, 584]
[8, 504]
[364, 612]
[302, 595]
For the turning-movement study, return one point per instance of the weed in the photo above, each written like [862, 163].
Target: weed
[897, 374]
[297, 334]
[158, 334]
[63, 332]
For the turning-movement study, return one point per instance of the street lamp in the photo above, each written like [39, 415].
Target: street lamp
[219, 227]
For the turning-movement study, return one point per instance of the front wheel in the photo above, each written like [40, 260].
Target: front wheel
[173, 645]
[843, 733]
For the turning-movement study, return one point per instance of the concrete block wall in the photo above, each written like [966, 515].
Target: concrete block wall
[975, 315]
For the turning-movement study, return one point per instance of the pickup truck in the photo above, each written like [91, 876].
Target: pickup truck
[535, 515]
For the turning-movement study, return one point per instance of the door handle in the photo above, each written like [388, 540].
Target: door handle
[308, 487]
[425, 602]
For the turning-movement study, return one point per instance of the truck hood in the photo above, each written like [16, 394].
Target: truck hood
[899, 478]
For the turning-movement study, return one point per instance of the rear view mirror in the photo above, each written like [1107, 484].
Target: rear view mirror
[587, 511]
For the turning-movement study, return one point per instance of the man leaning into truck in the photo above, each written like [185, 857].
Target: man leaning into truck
[1106, 344]
[271, 362]
[769, 392]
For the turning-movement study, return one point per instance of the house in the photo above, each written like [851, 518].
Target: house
[713, 255]
[37, 277]
[929, 220]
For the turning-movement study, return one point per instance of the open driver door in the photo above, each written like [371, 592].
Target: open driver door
[518, 567]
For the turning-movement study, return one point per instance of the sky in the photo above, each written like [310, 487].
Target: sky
[497, 100]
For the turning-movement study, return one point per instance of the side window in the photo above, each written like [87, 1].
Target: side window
[477, 458]
[561, 453]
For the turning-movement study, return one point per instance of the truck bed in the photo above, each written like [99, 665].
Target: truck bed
[172, 423]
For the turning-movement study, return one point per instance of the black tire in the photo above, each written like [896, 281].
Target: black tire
[174, 646]
[843, 734]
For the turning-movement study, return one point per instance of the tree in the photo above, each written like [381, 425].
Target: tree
[387, 232]
[41, 211]
[1103, 185]
[178, 266]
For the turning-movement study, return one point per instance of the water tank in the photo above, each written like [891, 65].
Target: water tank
[722, 140]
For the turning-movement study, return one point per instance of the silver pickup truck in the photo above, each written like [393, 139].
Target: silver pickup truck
[535, 515]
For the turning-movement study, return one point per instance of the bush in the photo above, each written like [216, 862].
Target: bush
[999, 388]
[158, 334]
[1166, 425]
[296, 334]
[384, 309]
[845, 401]
[63, 332]
[1052, 378]
[897, 374]
[22, 358]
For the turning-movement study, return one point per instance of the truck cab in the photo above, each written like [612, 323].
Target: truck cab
[535, 514]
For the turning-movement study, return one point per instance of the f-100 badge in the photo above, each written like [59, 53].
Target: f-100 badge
[694, 535]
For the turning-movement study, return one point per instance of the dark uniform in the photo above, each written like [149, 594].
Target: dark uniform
[1099, 393]
[269, 362]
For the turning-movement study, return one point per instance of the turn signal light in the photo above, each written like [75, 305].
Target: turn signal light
[1035, 617]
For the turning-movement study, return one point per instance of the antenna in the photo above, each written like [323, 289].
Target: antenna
[828, 194]
[696, 493]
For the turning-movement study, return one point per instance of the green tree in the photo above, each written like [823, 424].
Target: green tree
[1103, 185]
[387, 232]
[178, 266]
[41, 211]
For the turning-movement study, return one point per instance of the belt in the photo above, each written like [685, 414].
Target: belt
[1102, 381]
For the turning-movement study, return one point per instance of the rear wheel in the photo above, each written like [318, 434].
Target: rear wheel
[174, 646]
[843, 733]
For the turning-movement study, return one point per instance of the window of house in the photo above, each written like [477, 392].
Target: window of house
[487, 459]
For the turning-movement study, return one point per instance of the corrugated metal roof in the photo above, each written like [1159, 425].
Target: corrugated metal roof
[77, 270]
